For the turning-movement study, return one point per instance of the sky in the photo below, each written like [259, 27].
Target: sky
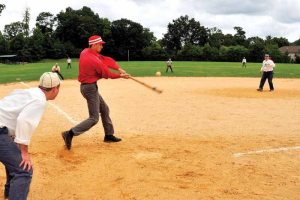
[277, 18]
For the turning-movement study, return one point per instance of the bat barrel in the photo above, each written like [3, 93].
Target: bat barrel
[146, 85]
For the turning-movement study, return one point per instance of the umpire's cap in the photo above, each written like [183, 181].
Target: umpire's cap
[49, 80]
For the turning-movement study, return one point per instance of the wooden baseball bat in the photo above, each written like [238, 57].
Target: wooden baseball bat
[146, 85]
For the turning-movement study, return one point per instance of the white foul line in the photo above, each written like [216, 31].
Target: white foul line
[58, 109]
[274, 150]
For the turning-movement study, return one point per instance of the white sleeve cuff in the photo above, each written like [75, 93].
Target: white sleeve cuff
[20, 141]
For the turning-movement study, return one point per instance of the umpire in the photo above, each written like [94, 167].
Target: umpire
[20, 113]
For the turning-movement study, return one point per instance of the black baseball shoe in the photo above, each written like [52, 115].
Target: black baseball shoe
[6, 193]
[272, 90]
[259, 90]
[111, 138]
[67, 137]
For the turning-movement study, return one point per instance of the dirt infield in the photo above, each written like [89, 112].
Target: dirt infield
[176, 145]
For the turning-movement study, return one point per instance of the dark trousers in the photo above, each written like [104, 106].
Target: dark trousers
[96, 105]
[264, 77]
[17, 180]
[69, 66]
[244, 65]
[169, 66]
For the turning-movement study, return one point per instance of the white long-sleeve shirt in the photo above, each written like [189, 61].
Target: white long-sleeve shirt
[21, 112]
[267, 65]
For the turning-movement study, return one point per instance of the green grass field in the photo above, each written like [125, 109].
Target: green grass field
[32, 71]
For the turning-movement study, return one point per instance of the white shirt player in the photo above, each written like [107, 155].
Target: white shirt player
[21, 112]
[267, 65]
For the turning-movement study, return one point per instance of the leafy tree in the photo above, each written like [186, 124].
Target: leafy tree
[297, 42]
[154, 52]
[76, 26]
[239, 37]
[280, 42]
[223, 53]
[274, 52]
[256, 49]
[191, 52]
[13, 29]
[19, 45]
[3, 44]
[45, 22]
[236, 53]
[210, 53]
[215, 37]
[183, 31]
[36, 45]
[229, 40]
[25, 22]
[130, 36]
[2, 6]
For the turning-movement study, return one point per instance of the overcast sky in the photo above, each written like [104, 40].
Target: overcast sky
[278, 18]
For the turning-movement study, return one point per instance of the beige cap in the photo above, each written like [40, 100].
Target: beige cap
[49, 80]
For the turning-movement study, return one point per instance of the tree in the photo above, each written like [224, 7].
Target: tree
[45, 22]
[236, 53]
[13, 29]
[210, 53]
[191, 52]
[280, 42]
[215, 37]
[2, 6]
[25, 22]
[36, 45]
[76, 26]
[297, 42]
[183, 31]
[3, 44]
[17, 45]
[154, 52]
[256, 49]
[274, 52]
[239, 37]
[130, 36]
[229, 40]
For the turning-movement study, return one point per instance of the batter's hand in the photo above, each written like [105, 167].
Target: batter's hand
[125, 75]
[122, 71]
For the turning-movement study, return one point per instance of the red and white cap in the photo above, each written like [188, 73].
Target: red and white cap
[95, 39]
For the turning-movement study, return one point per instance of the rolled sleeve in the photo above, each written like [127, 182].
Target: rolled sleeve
[27, 122]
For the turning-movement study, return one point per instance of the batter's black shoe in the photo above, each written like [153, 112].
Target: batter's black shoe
[259, 90]
[271, 90]
[6, 193]
[111, 138]
[68, 136]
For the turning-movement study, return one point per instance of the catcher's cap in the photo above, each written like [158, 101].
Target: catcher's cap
[95, 39]
[49, 80]
[267, 55]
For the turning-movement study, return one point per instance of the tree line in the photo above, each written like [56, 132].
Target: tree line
[67, 33]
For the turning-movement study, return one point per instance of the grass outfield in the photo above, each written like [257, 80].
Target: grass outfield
[32, 71]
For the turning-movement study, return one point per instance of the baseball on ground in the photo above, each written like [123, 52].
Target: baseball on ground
[158, 73]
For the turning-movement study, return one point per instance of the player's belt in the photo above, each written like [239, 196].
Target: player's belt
[88, 83]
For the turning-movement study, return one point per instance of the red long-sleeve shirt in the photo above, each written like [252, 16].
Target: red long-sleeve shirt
[94, 66]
